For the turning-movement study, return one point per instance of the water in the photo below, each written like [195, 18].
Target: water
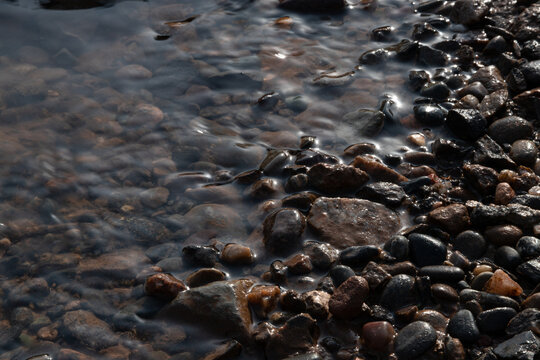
[99, 104]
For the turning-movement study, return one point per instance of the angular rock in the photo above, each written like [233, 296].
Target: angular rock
[523, 321]
[531, 270]
[347, 222]
[336, 179]
[386, 193]
[523, 346]
[468, 124]
[163, 286]
[453, 218]
[346, 302]
[493, 103]
[220, 307]
[483, 178]
[490, 77]
[317, 303]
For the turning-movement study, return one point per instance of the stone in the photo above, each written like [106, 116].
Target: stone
[523, 346]
[524, 152]
[500, 283]
[470, 243]
[155, 197]
[525, 320]
[340, 273]
[346, 302]
[88, 329]
[476, 89]
[463, 326]
[365, 122]
[220, 307]
[444, 293]
[494, 321]
[205, 276]
[495, 46]
[264, 299]
[468, 12]
[200, 255]
[386, 193]
[374, 57]
[299, 264]
[439, 91]
[433, 57]
[116, 266]
[344, 222]
[378, 335]
[317, 304]
[532, 301]
[528, 247]
[503, 234]
[414, 340]
[426, 250]
[236, 254]
[283, 229]
[429, 115]
[264, 189]
[322, 255]
[504, 193]
[468, 124]
[358, 256]
[490, 77]
[487, 300]
[298, 335]
[377, 170]
[336, 179]
[493, 103]
[399, 292]
[216, 217]
[432, 317]
[375, 275]
[443, 273]
[530, 269]
[483, 178]
[509, 129]
[452, 218]
[163, 286]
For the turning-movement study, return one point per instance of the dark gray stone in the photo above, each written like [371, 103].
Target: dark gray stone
[523, 346]
[414, 340]
[426, 250]
[365, 122]
[468, 124]
[387, 193]
[463, 326]
[509, 129]
[494, 321]
[470, 243]
[399, 292]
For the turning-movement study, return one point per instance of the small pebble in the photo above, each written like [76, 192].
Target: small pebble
[414, 340]
[378, 335]
[463, 326]
[237, 254]
[501, 284]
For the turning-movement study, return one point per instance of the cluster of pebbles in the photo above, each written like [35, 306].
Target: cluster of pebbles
[432, 253]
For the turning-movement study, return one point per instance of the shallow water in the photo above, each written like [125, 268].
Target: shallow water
[100, 104]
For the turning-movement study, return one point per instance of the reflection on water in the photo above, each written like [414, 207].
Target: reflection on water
[114, 118]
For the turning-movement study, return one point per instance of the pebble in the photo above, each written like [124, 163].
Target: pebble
[503, 234]
[386, 193]
[439, 91]
[442, 273]
[434, 318]
[490, 77]
[470, 243]
[282, 229]
[480, 280]
[444, 293]
[357, 256]
[414, 340]
[378, 335]
[426, 250]
[487, 300]
[476, 89]
[453, 218]
[322, 255]
[299, 264]
[495, 46]
[523, 321]
[504, 193]
[205, 276]
[528, 247]
[164, 286]
[526, 344]
[347, 300]
[429, 115]
[524, 152]
[340, 273]
[530, 269]
[463, 326]
[399, 292]
[501, 284]
[200, 255]
[398, 247]
[377, 170]
[264, 299]
[507, 257]
[336, 179]
[509, 129]
[468, 124]
[365, 122]
[532, 301]
[237, 254]
[495, 320]
[317, 303]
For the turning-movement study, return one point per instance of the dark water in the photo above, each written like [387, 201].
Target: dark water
[98, 105]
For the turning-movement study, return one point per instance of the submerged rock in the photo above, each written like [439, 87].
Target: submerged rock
[347, 222]
[312, 5]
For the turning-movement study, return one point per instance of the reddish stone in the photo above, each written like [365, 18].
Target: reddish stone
[378, 335]
[346, 302]
[163, 286]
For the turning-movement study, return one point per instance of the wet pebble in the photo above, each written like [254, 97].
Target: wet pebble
[357, 256]
[163, 286]
[495, 320]
[468, 124]
[528, 247]
[471, 243]
[340, 273]
[443, 273]
[386, 193]
[322, 255]
[432, 317]
[317, 303]
[299, 264]
[463, 326]
[378, 335]
[509, 129]
[426, 250]
[399, 292]
[526, 344]
[414, 340]
[205, 276]
[504, 193]
[336, 179]
[429, 115]
[453, 218]
[503, 234]
[237, 254]
[346, 302]
[200, 255]
[530, 269]
[437, 90]
[283, 229]
[476, 89]
[444, 293]
[398, 247]
[524, 152]
[507, 257]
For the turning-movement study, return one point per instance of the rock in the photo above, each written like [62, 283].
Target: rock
[490, 77]
[163, 286]
[117, 266]
[377, 170]
[504, 193]
[312, 6]
[442, 273]
[463, 326]
[494, 321]
[530, 269]
[503, 234]
[533, 301]
[264, 299]
[317, 304]
[483, 178]
[200, 255]
[429, 115]
[432, 317]
[340, 273]
[433, 57]
[236, 254]
[378, 335]
[299, 264]
[154, 198]
[205, 276]
[487, 300]
[468, 124]
[500, 283]
[375, 275]
[414, 340]
[438, 91]
[528, 247]
[524, 152]
[510, 129]
[358, 256]
[476, 89]
[444, 293]
[88, 329]
[523, 346]
[298, 335]
[283, 229]
[219, 218]
[374, 57]
[471, 243]
[528, 100]
[531, 50]
[493, 103]
[399, 292]
[220, 307]
[426, 250]
[417, 79]
[322, 255]
[469, 12]
[495, 46]
[507, 257]
[453, 218]
[365, 122]
[264, 189]
[523, 321]
[386, 193]
[346, 302]
[346, 222]
[336, 179]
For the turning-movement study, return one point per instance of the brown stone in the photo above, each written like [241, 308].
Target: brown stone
[264, 299]
[346, 302]
[345, 222]
[375, 275]
[220, 218]
[453, 218]
[432, 317]
[444, 293]
[299, 264]
[503, 234]
[378, 336]
[533, 301]
[120, 265]
[504, 193]
[155, 197]
[164, 286]
[88, 329]
[298, 335]
[483, 178]
[501, 284]
[316, 302]
[336, 178]
[377, 170]
[205, 276]
[237, 254]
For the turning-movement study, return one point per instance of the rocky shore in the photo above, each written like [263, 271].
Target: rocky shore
[432, 252]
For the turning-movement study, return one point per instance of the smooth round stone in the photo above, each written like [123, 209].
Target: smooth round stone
[507, 257]
[528, 247]
[476, 89]
[509, 129]
[414, 340]
[533, 301]
[398, 247]
[426, 250]
[205, 276]
[495, 320]
[495, 46]
[470, 243]
[524, 152]
[463, 326]
[356, 256]
[340, 273]
[503, 234]
[283, 229]
[437, 90]
[434, 318]
[504, 193]
[442, 273]
[480, 280]
[444, 293]
[399, 292]
[236, 254]
[378, 335]
[429, 115]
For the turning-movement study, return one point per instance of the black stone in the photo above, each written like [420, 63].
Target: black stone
[488, 153]
[438, 91]
[374, 57]
[432, 57]
[523, 321]
[283, 229]
[398, 247]
[495, 46]
[417, 79]
[528, 247]
[468, 124]
[476, 89]
[429, 115]
[530, 269]
[487, 300]
[414, 340]
[480, 280]
[386, 193]
[399, 292]
[340, 273]
[357, 256]
[494, 321]
[523, 346]
[507, 257]
[383, 33]
[426, 250]
[463, 326]
[509, 129]
[470, 243]
[203, 256]
[531, 50]
[442, 273]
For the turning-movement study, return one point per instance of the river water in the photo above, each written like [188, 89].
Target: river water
[100, 104]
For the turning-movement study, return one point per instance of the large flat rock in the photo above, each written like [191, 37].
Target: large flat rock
[347, 222]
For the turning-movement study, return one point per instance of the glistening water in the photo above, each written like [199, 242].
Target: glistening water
[98, 104]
